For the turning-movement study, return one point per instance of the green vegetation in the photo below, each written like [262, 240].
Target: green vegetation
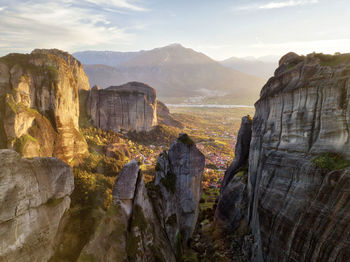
[189, 256]
[185, 139]
[52, 202]
[21, 142]
[331, 161]
[333, 60]
[169, 181]
[87, 258]
[159, 135]
[178, 247]
[84, 119]
[139, 221]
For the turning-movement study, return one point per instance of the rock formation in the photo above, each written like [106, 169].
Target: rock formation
[151, 223]
[34, 195]
[131, 230]
[164, 117]
[179, 173]
[40, 104]
[298, 183]
[132, 106]
[233, 202]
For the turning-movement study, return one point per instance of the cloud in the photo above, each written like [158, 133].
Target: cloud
[278, 4]
[66, 24]
[123, 4]
[329, 46]
[274, 5]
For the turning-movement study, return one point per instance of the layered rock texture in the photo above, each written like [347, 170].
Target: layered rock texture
[179, 173]
[153, 222]
[40, 104]
[132, 106]
[233, 203]
[131, 230]
[34, 195]
[298, 183]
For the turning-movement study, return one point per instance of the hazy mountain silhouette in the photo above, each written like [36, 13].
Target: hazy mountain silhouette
[174, 71]
[254, 66]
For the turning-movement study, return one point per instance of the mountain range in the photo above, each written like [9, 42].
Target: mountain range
[177, 73]
[263, 67]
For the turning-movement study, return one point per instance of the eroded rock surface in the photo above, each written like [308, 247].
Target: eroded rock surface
[299, 212]
[232, 207]
[131, 230]
[164, 117]
[298, 201]
[132, 106]
[39, 100]
[179, 174]
[34, 195]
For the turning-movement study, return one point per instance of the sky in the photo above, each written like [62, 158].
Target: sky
[218, 28]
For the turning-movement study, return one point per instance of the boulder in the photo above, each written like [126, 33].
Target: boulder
[34, 195]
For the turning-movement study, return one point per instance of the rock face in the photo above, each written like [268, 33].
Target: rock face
[40, 104]
[132, 106]
[299, 208]
[233, 202]
[131, 231]
[151, 223]
[164, 117]
[34, 195]
[179, 174]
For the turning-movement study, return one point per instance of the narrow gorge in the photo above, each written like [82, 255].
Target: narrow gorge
[75, 186]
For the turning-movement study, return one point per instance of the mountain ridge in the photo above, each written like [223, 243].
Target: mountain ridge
[176, 71]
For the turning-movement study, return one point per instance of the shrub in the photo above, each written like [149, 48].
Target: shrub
[169, 181]
[185, 139]
[331, 161]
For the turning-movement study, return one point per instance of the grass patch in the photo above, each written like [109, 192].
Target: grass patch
[159, 135]
[331, 161]
[333, 60]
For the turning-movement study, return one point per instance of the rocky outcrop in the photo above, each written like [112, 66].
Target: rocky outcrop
[132, 106]
[34, 195]
[232, 207]
[76, 67]
[39, 100]
[298, 183]
[153, 222]
[179, 174]
[164, 117]
[131, 231]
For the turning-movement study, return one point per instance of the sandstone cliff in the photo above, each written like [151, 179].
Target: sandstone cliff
[40, 104]
[132, 106]
[34, 195]
[298, 183]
